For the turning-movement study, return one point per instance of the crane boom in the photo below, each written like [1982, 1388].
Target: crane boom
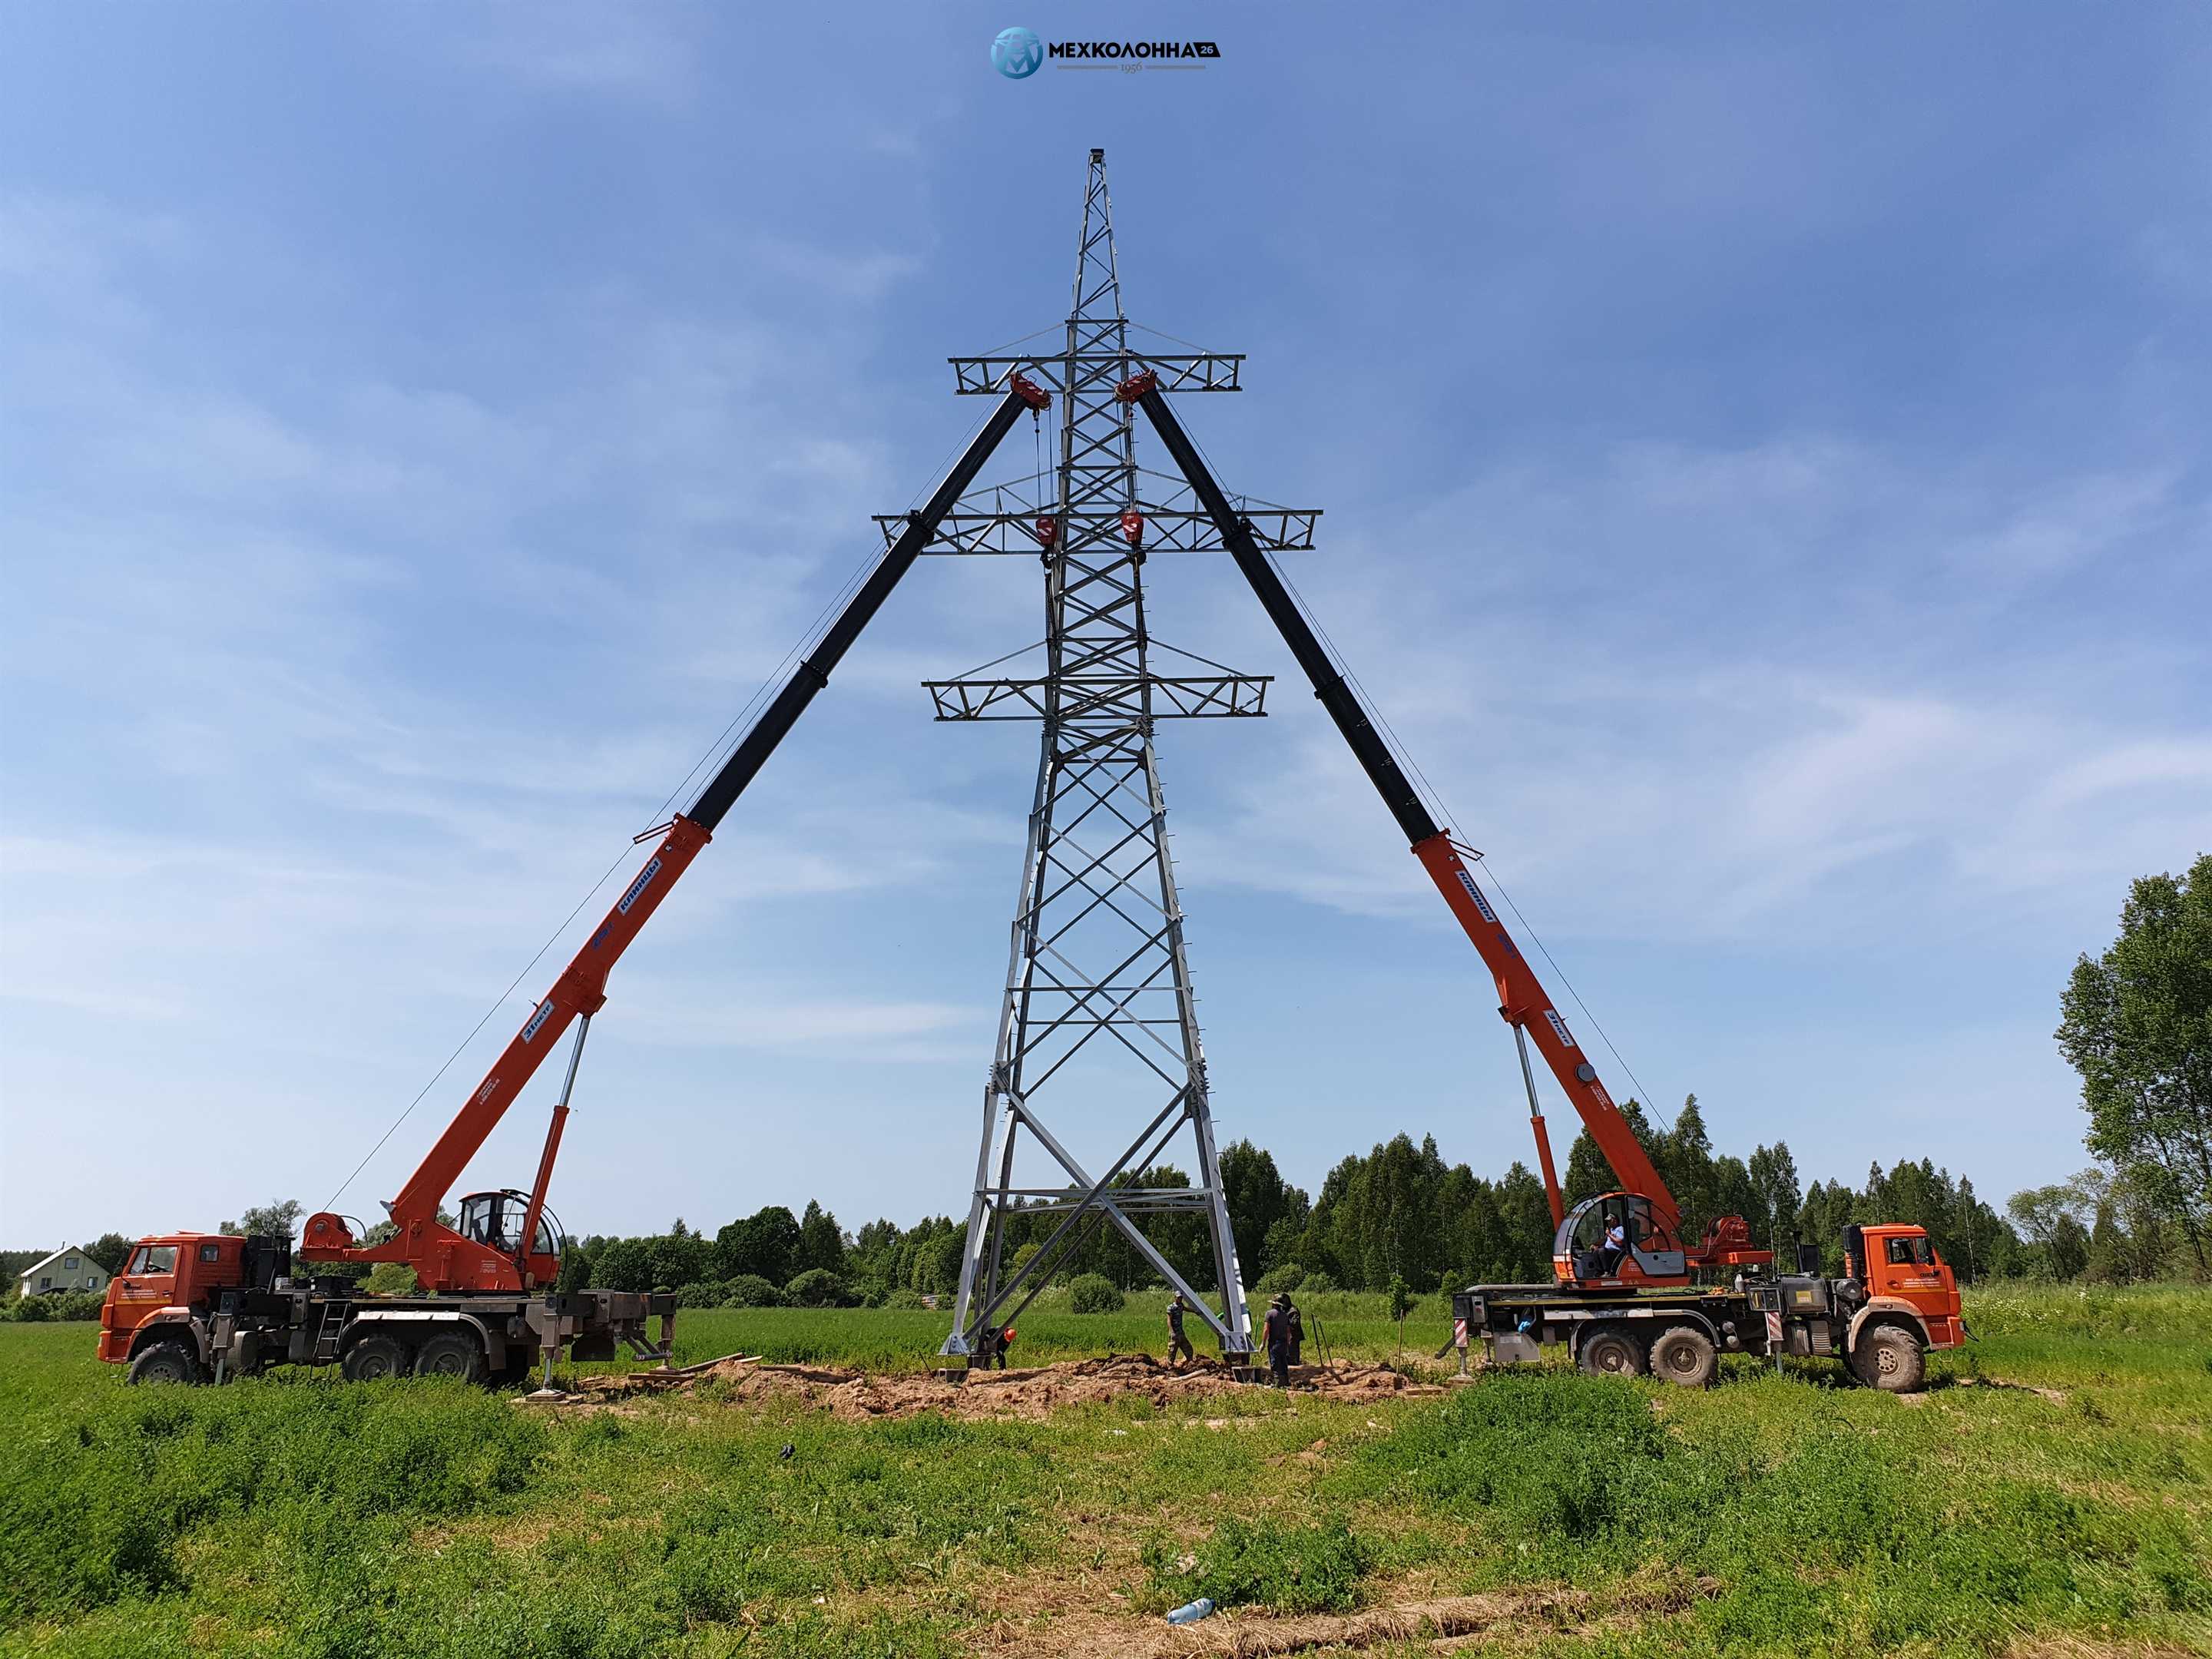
[1521, 998]
[441, 1258]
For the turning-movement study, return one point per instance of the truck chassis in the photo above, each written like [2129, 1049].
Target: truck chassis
[1680, 1335]
[488, 1337]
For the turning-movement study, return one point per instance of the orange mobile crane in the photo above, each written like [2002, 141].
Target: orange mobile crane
[194, 1307]
[1626, 1297]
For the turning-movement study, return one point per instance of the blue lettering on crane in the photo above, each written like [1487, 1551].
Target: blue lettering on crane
[545, 1012]
[1560, 1027]
[1481, 903]
[644, 880]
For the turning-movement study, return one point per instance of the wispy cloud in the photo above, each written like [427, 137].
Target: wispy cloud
[576, 46]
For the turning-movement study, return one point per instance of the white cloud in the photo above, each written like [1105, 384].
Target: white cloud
[578, 47]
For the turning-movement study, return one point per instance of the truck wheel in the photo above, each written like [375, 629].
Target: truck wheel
[451, 1353]
[1612, 1352]
[374, 1357]
[166, 1362]
[1685, 1356]
[1891, 1359]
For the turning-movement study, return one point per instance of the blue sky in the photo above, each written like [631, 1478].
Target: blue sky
[1763, 457]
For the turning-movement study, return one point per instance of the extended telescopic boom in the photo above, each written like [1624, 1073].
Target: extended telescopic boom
[443, 1259]
[1522, 1000]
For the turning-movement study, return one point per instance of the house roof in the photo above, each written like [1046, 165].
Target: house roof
[50, 1261]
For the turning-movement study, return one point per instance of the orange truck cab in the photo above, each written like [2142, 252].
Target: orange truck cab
[165, 1289]
[1903, 1277]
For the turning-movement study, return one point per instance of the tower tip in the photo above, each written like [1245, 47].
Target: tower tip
[1097, 155]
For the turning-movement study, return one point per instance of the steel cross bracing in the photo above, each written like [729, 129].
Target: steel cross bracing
[1097, 971]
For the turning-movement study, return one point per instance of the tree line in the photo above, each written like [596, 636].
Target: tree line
[1397, 1213]
[2137, 1025]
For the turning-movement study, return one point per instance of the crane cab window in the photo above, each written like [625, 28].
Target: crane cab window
[153, 1259]
[1911, 1253]
[1628, 1211]
[495, 1220]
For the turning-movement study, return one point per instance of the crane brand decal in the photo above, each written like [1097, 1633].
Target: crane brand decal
[545, 1012]
[1560, 1027]
[1481, 903]
[644, 880]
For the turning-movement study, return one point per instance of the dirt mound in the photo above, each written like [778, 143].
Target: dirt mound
[1031, 1393]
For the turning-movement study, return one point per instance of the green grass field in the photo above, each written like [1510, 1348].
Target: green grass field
[298, 1516]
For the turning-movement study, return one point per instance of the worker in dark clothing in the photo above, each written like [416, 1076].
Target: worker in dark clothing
[1179, 1348]
[1275, 1336]
[1297, 1332]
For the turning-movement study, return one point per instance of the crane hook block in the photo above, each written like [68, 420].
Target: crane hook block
[1030, 393]
[1048, 531]
[1137, 386]
[1133, 527]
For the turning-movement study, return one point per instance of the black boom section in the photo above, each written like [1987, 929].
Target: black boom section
[1336, 696]
[812, 674]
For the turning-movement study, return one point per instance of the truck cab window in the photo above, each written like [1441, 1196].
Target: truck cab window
[1911, 1253]
[153, 1259]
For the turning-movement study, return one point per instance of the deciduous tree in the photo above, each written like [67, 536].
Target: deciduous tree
[2137, 1026]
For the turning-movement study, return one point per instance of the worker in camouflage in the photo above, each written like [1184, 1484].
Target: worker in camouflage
[1179, 1348]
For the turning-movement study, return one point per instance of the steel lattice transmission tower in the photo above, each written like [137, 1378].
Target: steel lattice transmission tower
[1099, 1035]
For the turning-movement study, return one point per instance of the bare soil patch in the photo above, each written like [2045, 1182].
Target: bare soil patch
[1252, 1633]
[1030, 1394]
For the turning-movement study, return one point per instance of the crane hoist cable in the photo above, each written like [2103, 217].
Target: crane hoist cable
[714, 752]
[1405, 757]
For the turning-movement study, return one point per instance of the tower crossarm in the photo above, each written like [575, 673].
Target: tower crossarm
[1166, 529]
[1086, 698]
[1193, 371]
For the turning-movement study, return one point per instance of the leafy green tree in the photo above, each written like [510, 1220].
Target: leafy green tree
[937, 1263]
[1265, 1210]
[1402, 1303]
[767, 1242]
[390, 1279]
[2111, 1261]
[1684, 1157]
[875, 1252]
[2137, 1026]
[111, 1250]
[821, 1243]
[268, 1220]
[1526, 1213]
[1772, 1212]
[1588, 1174]
[816, 1288]
[624, 1264]
[1094, 1293]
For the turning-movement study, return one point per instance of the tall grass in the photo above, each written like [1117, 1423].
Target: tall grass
[298, 1517]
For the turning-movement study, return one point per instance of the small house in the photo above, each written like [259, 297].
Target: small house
[68, 1271]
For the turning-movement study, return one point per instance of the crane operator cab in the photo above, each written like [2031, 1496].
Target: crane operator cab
[495, 1220]
[1616, 1238]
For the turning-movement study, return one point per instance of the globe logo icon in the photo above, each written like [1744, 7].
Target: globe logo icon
[1017, 53]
